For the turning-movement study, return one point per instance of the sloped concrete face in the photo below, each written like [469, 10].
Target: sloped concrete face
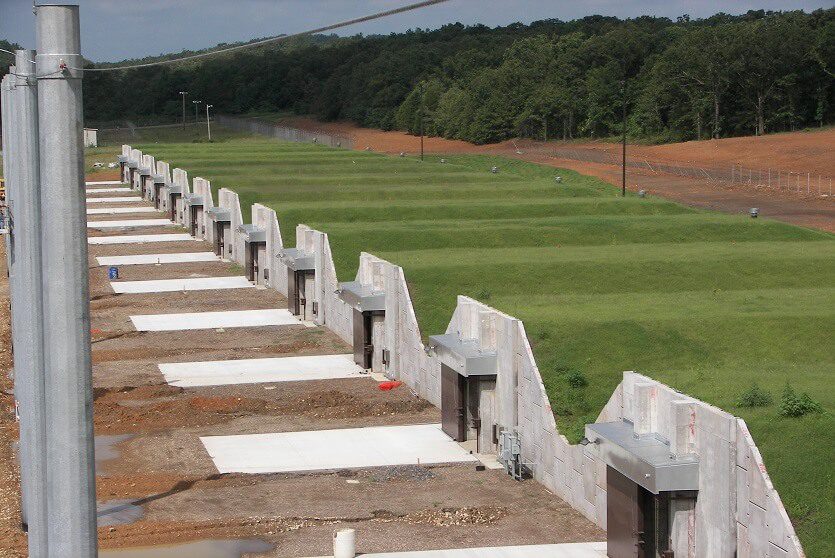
[151, 259]
[178, 285]
[213, 320]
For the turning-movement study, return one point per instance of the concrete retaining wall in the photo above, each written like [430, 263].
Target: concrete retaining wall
[737, 512]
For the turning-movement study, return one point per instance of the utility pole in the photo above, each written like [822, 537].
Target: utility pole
[208, 122]
[421, 119]
[623, 126]
[27, 304]
[71, 500]
[196, 104]
[183, 95]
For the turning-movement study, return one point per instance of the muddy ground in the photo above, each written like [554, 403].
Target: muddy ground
[150, 455]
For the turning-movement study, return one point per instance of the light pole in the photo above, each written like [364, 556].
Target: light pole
[183, 95]
[208, 122]
[195, 103]
[623, 162]
[422, 94]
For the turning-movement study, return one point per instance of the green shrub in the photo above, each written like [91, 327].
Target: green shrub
[793, 405]
[577, 379]
[755, 396]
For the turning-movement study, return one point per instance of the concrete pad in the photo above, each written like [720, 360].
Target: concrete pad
[128, 223]
[140, 238]
[261, 370]
[103, 183]
[120, 199]
[107, 190]
[186, 284]
[150, 259]
[348, 448]
[115, 210]
[565, 550]
[213, 320]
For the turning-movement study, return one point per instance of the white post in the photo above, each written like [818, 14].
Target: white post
[344, 543]
[71, 499]
[208, 122]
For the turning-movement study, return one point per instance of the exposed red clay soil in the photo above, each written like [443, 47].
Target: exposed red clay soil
[798, 151]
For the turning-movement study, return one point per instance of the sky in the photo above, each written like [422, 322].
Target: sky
[113, 30]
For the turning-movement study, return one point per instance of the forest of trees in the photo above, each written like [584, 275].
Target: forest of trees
[721, 76]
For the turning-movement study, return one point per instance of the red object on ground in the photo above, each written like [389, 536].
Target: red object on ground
[388, 386]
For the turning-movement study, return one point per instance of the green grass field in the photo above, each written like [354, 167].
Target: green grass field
[705, 302]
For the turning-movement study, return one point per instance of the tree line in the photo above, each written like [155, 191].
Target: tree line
[686, 79]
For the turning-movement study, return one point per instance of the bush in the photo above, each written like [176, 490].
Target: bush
[577, 379]
[755, 396]
[793, 405]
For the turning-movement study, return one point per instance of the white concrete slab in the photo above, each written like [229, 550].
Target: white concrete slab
[119, 199]
[107, 190]
[103, 182]
[186, 284]
[128, 223]
[348, 448]
[119, 210]
[151, 259]
[261, 370]
[213, 320]
[565, 550]
[140, 238]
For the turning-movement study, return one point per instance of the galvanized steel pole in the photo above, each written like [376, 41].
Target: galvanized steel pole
[71, 500]
[27, 304]
[8, 158]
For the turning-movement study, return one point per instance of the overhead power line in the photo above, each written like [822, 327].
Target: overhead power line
[283, 37]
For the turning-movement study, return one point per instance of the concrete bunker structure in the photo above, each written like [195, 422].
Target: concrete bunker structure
[707, 493]
[468, 376]
[220, 223]
[367, 305]
[147, 168]
[193, 214]
[255, 251]
[301, 273]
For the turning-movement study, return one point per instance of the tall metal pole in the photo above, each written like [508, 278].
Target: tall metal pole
[183, 95]
[422, 94]
[27, 303]
[623, 162]
[208, 122]
[71, 502]
[8, 156]
[196, 118]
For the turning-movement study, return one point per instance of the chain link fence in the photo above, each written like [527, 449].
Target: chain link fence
[805, 184]
[270, 129]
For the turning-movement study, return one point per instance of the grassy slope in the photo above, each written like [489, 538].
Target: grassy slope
[707, 303]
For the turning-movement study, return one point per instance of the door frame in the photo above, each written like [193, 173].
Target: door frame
[453, 403]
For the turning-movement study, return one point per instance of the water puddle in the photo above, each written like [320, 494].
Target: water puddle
[106, 448]
[117, 512]
[230, 548]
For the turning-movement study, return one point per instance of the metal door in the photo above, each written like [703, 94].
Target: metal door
[363, 343]
[301, 289]
[624, 516]
[453, 404]
[292, 293]
[253, 262]
[193, 210]
[173, 207]
[219, 238]
[157, 188]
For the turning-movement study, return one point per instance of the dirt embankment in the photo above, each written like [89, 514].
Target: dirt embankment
[811, 152]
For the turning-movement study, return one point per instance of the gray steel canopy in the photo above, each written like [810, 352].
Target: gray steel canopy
[297, 260]
[122, 158]
[464, 355]
[252, 234]
[220, 214]
[644, 458]
[145, 171]
[175, 189]
[193, 200]
[361, 297]
[159, 179]
[133, 164]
